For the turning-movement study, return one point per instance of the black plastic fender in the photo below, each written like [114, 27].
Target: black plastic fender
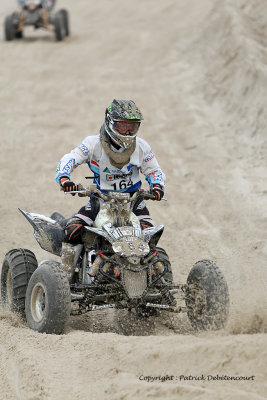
[48, 233]
[153, 234]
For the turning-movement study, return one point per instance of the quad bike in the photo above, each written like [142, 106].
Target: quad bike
[117, 265]
[34, 15]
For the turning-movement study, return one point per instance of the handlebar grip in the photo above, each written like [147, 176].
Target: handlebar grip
[149, 196]
[79, 186]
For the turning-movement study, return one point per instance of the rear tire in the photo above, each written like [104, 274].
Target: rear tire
[56, 216]
[48, 300]
[17, 269]
[207, 297]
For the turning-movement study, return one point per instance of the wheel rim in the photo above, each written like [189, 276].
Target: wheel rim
[9, 287]
[38, 302]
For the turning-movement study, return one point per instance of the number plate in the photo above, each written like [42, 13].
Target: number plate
[129, 246]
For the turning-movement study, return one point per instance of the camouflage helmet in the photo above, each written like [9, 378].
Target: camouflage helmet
[122, 121]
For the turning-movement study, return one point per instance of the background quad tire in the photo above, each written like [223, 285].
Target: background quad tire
[145, 312]
[11, 25]
[65, 17]
[17, 269]
[16, 20]
[207, 296]
[48, 300]
[61, 25]
[9, 28]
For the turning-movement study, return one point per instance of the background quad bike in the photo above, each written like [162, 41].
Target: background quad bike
[41, 294]
[60, 21]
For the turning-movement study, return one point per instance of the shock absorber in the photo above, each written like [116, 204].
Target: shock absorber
[159, 269]
[158, 266]
[94, 267]
[93, 271]
[167, 296]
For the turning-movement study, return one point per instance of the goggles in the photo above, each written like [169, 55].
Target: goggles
[126, 127]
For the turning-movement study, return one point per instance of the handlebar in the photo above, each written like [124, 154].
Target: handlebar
[92, 191]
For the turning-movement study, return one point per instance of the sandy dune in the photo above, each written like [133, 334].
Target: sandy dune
[198, 72]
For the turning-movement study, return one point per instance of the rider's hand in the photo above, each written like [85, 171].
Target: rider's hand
[67, 185]
[157, 191]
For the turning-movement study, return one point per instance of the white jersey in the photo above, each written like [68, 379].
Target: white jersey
[106, 176]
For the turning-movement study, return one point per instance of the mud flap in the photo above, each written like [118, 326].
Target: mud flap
[48, 233]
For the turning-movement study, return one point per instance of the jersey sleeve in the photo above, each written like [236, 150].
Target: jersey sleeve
[150, 167]
[70, 161]
[48, 4]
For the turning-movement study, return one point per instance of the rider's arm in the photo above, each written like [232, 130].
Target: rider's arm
[48, 4]
[70, 161]
[150, 166]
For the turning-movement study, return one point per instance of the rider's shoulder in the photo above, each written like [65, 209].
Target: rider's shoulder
[141, 143]
[91, 140]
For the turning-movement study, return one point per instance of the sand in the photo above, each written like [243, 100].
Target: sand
[198, 72]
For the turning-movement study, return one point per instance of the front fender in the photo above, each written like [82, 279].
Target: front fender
[99, 231]
[153, 234]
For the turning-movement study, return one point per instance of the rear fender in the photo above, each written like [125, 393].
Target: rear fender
[48, 233]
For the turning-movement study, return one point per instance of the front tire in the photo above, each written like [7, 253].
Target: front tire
[207, 297]
[48, 301]
[17, 269]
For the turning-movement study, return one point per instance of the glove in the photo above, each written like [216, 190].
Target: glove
[157, 191]
[67, 185]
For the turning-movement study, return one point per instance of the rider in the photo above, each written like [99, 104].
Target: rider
[45, 7]
[47, 4]
[115, 157]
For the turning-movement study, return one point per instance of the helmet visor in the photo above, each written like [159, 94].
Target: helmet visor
[126, 127]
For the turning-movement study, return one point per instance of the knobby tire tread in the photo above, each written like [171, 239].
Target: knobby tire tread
[22, 263]
[206, 275]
